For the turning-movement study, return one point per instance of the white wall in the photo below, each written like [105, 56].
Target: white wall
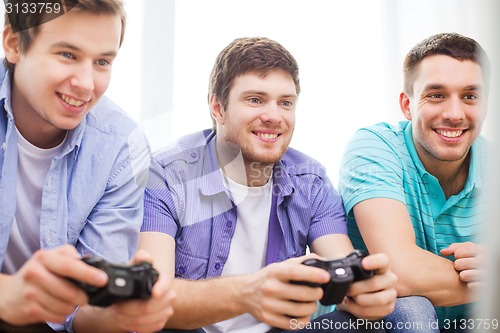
[349, 53]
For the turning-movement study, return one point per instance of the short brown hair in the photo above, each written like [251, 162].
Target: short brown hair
[449, 44]
[33, 20]
[249, 55]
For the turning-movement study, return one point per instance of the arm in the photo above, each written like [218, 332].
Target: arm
[39, 292]
[266, 294]
[369, 299]
[386, 227]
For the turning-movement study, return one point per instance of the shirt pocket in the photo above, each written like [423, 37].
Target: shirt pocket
[189, 266]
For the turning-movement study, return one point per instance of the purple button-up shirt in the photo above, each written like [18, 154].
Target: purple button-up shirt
[186, 199]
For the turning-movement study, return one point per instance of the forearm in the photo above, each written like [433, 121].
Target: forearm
[425, 274]
[386, 227]
[205, 302]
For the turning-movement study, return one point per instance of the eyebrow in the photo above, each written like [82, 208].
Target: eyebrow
[263, 93]
[438, 86]
[70, 46]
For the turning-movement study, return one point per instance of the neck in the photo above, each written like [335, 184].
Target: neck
[242, 172]
[33, 127]
[451, 175]
[41, 139]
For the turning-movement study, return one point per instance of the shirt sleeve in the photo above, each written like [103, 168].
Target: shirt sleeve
[160, 214]
[113, 226]
[370, 168]
[328, 216]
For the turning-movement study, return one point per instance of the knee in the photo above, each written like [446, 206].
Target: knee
[413, 309]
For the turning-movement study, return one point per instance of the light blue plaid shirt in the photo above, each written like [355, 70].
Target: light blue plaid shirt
[93, 194]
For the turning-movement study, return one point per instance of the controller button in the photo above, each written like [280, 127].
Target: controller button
[120, 282]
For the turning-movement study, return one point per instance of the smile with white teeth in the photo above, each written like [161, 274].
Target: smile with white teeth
[450, 134]
[71, 101]
[267, 135]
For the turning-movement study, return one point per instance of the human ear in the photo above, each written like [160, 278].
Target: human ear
[216, 109]
[404, 104]
[10, 42]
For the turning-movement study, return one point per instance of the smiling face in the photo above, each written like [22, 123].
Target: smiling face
[260, 116]
[447, 109]
[63, 74]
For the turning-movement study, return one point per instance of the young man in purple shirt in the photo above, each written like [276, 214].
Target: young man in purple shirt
[230, 211]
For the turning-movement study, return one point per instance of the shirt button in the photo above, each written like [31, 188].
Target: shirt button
[194, 155]
[217, 266]
[229, 224]
[181, 270]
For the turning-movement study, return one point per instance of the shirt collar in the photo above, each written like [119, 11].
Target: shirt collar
[211, 183]
[5, 92]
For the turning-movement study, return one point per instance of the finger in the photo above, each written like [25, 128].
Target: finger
[35, 312]
[448, 251]
[302, 293]
[363, 312]
[467, 263]
[68, 266]
[142, 256]
[292, 271]
[378, 262]
[145, 318]
[288, 307]
[140, 307]
[476, 285]
[468, 250]
[282, 321]
[162, 286]
[377, 283]
[471, 275]
[47, 286]
[381, 298]
[283, 290]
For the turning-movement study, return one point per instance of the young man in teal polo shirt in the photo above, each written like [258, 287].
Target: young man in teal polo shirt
[412, 190]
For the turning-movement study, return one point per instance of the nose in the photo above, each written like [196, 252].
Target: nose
[83, 77]
[272, 113]
[455, 110]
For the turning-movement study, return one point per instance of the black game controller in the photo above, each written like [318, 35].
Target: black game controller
[342, 273]
[125, 282]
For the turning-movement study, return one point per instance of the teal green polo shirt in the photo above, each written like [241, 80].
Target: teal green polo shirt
[381, 162]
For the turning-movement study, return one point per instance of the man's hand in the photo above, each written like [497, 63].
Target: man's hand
[272, 299]
[149, 315]
[373, 298]
[40, 292]
[469, 259]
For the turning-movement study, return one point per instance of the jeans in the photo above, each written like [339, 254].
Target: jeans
[415, 314]
[333, 322]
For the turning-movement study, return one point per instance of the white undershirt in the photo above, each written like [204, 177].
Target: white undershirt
[32, 168]
[248, 246]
